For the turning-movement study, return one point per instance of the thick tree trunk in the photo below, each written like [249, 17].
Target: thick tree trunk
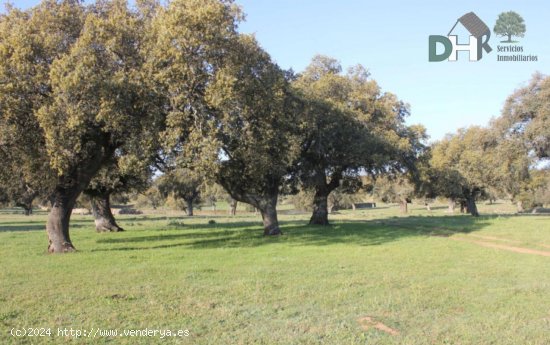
[320, 208]
[263, 199]
[233, 207]
[63, 198]
[57, 226]
[268, 209]
[451, 204]
[471, 206]
[189, 207]
[403, 206]
[104, 219]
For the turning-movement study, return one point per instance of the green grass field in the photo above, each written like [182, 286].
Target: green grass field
[373, 277]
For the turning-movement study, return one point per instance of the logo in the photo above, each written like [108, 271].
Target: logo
[510, 24]
[479, 40]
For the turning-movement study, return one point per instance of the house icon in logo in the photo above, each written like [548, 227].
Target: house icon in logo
[479, 40]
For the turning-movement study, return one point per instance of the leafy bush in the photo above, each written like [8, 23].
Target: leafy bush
[303, 201]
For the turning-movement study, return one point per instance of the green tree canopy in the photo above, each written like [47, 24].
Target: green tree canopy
[396, 189]
[73, 74]
[526, 115]
[465, 162]
[181, 184]
[350, 127]
[257, 126]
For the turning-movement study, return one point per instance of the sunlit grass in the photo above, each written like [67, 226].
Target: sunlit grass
[227, 284]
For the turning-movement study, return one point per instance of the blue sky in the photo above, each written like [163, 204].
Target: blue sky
[390, 38]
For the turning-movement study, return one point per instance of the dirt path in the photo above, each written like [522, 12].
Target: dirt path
[492, 238]
[503, 246]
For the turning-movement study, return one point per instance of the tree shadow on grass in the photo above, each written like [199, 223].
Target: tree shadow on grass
[146, 217]
[25, 225]
[249, 234]
[242, 230]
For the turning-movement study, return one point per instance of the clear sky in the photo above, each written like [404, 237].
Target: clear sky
[390, 38]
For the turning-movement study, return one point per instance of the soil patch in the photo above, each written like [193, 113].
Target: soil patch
[493, 238]
[368, 322]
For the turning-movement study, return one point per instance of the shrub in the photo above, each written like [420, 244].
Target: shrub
[176, 224]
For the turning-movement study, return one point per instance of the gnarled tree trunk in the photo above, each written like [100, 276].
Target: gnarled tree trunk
[322, 191]
[471, 206]
[57, 226]
[63, 198]
[263, 198]
[320, 208]
[103, 217]
[268, 210]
